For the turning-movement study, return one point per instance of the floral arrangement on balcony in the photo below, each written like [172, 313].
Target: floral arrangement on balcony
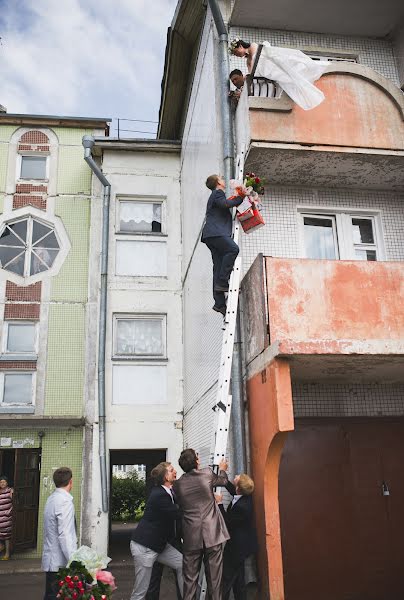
[84, 577]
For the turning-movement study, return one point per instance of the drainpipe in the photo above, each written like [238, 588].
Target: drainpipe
[88, 143]
[227, 120]
[237, 414]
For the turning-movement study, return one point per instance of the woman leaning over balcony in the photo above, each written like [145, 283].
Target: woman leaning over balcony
[292, 70]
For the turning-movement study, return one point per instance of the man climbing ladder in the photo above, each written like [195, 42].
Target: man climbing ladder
[217, 235]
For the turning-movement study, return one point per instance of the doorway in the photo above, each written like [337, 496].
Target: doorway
[22, 467]
[341, 493]
[124, 466]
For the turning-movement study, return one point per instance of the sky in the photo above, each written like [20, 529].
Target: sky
[92, 58]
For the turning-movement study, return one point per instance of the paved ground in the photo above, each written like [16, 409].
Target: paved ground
[23, 580]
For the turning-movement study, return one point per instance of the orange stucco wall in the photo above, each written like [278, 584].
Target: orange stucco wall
[336, 302]
[270, 418]
[355, 113]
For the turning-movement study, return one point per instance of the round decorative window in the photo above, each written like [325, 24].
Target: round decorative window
[28, 246]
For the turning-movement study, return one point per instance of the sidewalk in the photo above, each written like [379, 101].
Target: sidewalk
[20, 565]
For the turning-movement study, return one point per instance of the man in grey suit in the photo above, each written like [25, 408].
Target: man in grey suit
[204, 529]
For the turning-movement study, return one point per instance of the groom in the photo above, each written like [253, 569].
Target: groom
[217, 235]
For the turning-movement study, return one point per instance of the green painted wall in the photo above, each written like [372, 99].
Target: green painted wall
[64, 391]
[74, 175]
[60, 448]
[71, 284]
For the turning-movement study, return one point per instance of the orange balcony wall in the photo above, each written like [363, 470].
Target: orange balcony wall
[309, 320]
[354, 137]
[328, 317]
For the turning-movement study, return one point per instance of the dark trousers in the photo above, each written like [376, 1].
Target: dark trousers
[233, 578]
[213, 561]
[224, 253]
[51, 586]
[153, 593]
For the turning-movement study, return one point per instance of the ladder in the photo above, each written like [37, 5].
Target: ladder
[222, 408]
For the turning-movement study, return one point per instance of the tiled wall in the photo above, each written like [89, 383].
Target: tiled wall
[374, 53]
[347, 400]
[60, 448]
[280, 236]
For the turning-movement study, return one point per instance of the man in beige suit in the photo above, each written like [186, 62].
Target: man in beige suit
[204, 529]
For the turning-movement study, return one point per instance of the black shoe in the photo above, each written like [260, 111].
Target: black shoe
[220, 309]
[222, 288]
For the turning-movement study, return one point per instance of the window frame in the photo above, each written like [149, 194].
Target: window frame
[144, 200]
[143, 358]
[20, 322]
[49, 220]
[28, 154]
[334, 231]
[6, 405]
[30, 245]
[343, 217]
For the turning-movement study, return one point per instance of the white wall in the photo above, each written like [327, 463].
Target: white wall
[142, 425]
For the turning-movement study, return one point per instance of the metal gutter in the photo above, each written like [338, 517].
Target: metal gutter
[88, 144]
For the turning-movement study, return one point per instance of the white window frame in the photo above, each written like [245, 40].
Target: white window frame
[54, 223]
[343, 215]
[146, 200]
[35, 154]
[334, 231]
[7, 405]
[19, 322]
[144, 358]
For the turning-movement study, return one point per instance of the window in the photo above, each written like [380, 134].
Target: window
[138, 337]
[342, 235]
[141, 258]
[27, 246]
[33, 167]
[19, 337]
[16, 388]
[363, 239]
[320, 237]
[137, 221]
[140, 217]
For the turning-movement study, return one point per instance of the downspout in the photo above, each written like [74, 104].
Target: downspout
[237, 414]
[88, 143]
[227, 120]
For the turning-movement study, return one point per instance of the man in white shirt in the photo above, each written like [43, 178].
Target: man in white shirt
[59, 530]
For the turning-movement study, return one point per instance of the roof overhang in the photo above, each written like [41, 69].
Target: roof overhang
[135, 145]
[54, 121]
[370, 18]
[181, 39]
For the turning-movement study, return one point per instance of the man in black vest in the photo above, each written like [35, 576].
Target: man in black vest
[151, 539]
[217, 235]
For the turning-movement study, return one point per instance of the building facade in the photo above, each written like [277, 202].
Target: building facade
[49, 300]
[144, 345]
[322, 337]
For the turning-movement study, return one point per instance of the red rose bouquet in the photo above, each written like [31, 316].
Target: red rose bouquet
[84, 577]
[256, 183]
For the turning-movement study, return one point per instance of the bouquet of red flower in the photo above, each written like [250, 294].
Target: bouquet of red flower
[84, 579]
[257, 183]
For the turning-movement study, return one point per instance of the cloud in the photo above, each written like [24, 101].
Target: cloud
[99, 58]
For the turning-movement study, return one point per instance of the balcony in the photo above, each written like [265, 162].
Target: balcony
[362, 17]
[332, 320]
[355, 138]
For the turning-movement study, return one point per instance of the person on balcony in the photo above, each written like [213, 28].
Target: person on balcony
[291, 69]
[217, 235]
[260, 87]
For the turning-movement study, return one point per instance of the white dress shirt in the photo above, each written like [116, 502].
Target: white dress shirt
[169, 492]
[59, 531]
[236, 498]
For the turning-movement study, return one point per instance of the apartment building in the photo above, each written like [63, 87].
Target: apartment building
[49, 303]
[143, 337]
[323, 331]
